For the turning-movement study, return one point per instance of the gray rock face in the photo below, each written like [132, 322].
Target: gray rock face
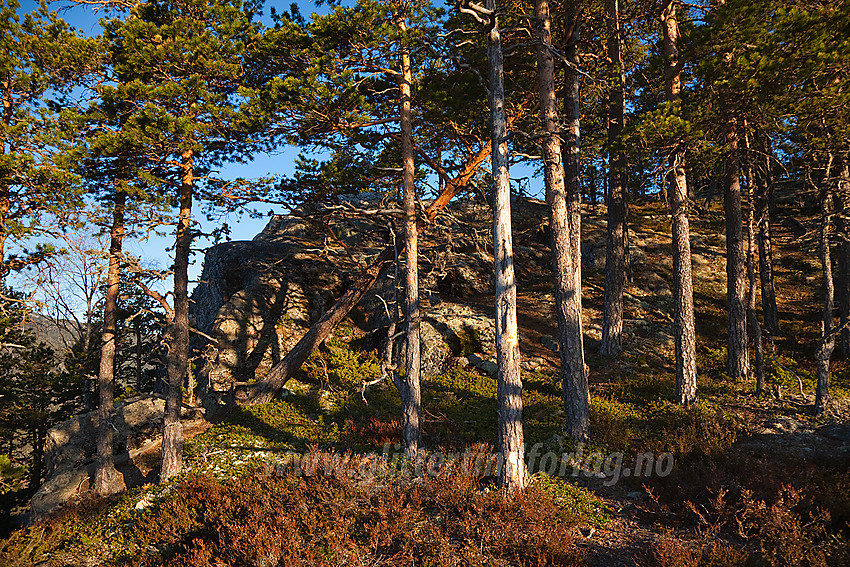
[257, 298]
[70, 448]
[452, 330]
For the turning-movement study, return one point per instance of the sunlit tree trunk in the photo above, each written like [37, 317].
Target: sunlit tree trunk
[411, 398]
[683, 288]
[106, 477]
[5, 204]
[567, 273]
[509, 383]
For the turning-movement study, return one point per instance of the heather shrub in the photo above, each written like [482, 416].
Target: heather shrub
[340, 517]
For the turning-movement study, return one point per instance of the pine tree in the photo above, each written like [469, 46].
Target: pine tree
[42, 55]
[509, 383]
[411, 398]
[616, 249]
[564, 222]
[184, 66]
[683, 288]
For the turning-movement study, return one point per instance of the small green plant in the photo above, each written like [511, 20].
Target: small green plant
[466, 341]
[11, 475]
[582, 505]
[611, 423]
[342, 367]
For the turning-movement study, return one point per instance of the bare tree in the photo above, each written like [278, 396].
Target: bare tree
[67, 286]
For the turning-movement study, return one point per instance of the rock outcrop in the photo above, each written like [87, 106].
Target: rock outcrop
[70, 448]
[257, 298]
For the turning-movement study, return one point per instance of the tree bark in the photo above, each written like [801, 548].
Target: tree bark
[843, 252]
[683, 288]
[575, 394]
[411, 396]
[737, 362]
[5, 202]
[265, 389]
[615, 254]
[178, 347]
[137, 329]
[106, 478]
[752, 316]
[827, 335]
[738, 359]
[592, 185]
[766, 207]
[509, 383]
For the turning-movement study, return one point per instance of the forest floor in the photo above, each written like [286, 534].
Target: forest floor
[754, 481]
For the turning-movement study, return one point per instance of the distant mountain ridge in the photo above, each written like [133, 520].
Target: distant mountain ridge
[56, 334]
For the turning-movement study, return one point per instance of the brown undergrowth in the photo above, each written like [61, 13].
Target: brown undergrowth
[273, 517]
[743, 490]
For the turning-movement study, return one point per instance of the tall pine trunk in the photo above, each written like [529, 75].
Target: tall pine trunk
[565, 240]
[683, 288]
[178, 345]
[738, 359]
[843, 252]
[509, 384]
[411, 397]
[752, 315]
[766, 206]
[106, 478]
[615, 253]
[5, 198]
[571, 136]
[827, 344]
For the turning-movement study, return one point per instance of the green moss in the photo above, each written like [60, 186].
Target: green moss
[466, 341]
[341, 366]
[775, 374]
[578, 503]
[465, 383]
[253, 435]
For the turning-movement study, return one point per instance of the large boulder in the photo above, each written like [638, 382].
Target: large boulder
[70, 448]
[257, 298]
